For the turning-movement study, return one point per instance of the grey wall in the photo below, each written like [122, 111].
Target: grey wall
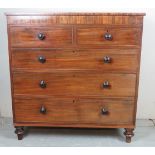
[146, 99]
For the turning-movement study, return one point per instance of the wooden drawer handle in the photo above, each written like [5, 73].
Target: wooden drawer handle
[43, 110]
[42, 84]
[41, 36]
[41, 59]
[108, 36]
[107, 59]
[106, 84]
[104, 111]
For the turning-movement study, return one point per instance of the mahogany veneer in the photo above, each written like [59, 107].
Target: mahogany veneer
[75, 69]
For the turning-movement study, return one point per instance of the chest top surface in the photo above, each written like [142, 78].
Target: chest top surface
[75, 18]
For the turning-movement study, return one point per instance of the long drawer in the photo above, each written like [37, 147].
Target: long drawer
[106, 59]
[99, 36]
[70, 110]
[74, 83]
[41, 36]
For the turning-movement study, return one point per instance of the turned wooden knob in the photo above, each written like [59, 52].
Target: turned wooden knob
[42, 84]
[41, 59]
[106, 84]
[41, 36]
[107, 59]
[108, 36]
[104, 111]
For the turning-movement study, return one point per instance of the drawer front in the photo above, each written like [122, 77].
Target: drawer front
[112, 36]
[69, 110]
[75, 83]
[40, 37]
[106, 60]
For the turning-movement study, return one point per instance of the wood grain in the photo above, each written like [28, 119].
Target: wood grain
[71, 83]
[74, 69]
[121, 61]
[132, 19]
[28, 37]
[70, 110]
[95, 36]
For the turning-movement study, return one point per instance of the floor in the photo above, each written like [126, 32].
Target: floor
[144, 136]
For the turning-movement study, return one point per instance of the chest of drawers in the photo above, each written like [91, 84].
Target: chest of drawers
[75, 69]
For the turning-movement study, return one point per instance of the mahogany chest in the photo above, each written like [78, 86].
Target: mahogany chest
[75, 69]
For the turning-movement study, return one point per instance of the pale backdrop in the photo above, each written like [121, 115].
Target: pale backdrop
[146, 99]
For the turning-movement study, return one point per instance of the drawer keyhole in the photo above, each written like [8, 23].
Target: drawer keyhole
[43, 110]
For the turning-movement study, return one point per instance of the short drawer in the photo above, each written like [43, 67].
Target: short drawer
[74, 111]
[74, 84]
[40, 36]
[94, 36]
[105, 60]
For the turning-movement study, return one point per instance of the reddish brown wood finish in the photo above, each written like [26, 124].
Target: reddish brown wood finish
[72, 111]
[28, 37]
[120, 36]
[71, 60]
[129, 19]
[71, 83]
[129, 134]
[121, 60]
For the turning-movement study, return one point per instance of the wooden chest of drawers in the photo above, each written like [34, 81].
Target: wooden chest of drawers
[75, 69]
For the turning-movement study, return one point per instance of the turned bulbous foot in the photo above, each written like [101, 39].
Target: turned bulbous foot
[20, 132]
[129, 134]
